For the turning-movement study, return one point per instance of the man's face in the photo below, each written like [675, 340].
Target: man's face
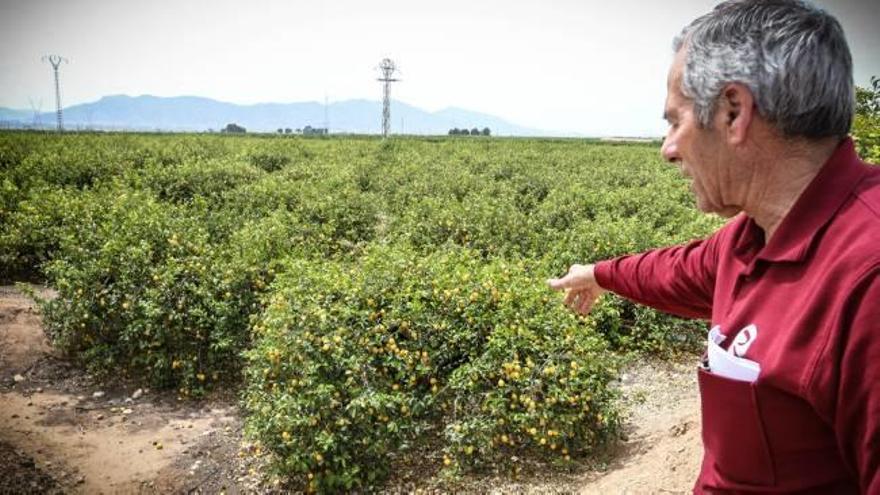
[700, 153]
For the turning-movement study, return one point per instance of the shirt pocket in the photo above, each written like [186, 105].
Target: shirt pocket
[734, 439]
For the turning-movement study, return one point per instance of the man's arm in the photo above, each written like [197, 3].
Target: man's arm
[678, 280]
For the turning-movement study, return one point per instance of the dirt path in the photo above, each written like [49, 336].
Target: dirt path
[61, 432]
[663, 450]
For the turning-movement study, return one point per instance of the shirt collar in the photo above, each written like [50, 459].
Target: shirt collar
[825, 194]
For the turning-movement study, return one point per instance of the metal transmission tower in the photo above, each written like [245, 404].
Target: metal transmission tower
[387, 67]
[55, 61]
[326, 119]
[37, 109]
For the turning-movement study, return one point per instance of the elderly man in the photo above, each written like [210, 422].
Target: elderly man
[760, 101]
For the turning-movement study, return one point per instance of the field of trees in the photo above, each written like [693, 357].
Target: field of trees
[367, 298]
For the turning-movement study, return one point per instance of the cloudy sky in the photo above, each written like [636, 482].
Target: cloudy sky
[583, 66]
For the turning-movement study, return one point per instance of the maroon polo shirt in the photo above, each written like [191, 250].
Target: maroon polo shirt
[806, 308]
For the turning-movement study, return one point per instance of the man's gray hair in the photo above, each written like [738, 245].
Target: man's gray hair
[792, 56]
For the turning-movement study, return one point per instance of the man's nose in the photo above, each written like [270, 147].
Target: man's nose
[669, 150]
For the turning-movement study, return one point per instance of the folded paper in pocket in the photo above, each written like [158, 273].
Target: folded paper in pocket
[725, 364]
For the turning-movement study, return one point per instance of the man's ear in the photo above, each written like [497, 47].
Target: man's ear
[736, 109]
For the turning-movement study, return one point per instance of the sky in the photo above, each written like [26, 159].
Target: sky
[588, 67]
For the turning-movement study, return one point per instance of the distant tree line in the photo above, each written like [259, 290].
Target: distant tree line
[473, 132]
[307, 130]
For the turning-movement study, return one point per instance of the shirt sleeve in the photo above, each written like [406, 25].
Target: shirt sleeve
[850, 398]
[678, 280]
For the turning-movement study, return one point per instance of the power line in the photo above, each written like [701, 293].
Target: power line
[387, 67]
[56, 61]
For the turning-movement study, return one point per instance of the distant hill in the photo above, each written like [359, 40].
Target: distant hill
[8, 114]
[192, 113]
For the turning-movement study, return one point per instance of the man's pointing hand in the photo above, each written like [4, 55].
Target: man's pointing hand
[581, 288]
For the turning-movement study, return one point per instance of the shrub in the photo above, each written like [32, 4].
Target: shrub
[268, 161]
[636, 329]
[73, 161]
[866, 131]
[356, 362]
[141, 292]
[491, 225]
[34, 225]
[208, 179]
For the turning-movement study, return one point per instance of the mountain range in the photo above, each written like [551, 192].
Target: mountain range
[194, 113]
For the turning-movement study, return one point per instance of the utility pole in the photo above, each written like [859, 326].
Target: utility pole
[387, 67]
[56, 61]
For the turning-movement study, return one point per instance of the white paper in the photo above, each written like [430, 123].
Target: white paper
[725, 364]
